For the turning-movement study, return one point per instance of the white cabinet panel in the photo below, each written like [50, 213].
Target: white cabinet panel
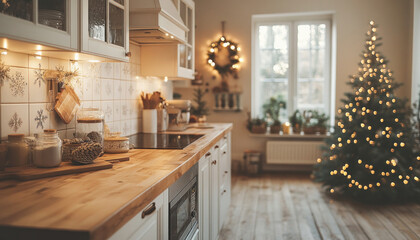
[150, 223]
[204, 196]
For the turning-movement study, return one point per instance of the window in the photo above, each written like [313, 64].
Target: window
[291, 59]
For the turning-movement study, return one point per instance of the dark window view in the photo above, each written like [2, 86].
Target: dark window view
[18, 8]
[52, 13]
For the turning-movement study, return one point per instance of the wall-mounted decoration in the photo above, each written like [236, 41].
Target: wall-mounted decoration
[223, 56]
[67, 104]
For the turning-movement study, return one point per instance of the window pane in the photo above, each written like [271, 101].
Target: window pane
[18, 8]
[116, 25]
[52, 13]
[97, 17]
[311, 59]
[272, 65]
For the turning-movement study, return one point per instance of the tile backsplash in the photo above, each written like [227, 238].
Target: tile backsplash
[114, 87]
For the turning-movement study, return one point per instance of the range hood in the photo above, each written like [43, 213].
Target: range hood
[156, 22]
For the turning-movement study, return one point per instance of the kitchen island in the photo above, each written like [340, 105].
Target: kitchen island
[95, 205]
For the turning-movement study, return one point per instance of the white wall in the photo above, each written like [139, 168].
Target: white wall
[416, 52]
[351, 20]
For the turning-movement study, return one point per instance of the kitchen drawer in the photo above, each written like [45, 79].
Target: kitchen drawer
[148, 223]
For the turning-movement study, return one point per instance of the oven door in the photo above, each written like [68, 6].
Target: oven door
[182, 213]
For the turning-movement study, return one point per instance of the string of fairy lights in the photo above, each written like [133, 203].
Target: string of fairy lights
[372, 66]
[233, 55]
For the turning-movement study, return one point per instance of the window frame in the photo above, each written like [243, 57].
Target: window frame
[292, 21]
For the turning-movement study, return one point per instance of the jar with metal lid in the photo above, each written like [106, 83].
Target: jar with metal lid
[17, 151]
[47, 151]
[90, 123]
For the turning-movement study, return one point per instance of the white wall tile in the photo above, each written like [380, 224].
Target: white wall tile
[56, 122]
[107, 108]
[38, 86]
[16, 89]
[96, 88]
[117, 110]
[39, 118]
[117, 70]
[54, 63]
[15, 59]
[107, 92]
[14, 119]
[117, 89]
[37, 63]
[107, 70]
[125, 71]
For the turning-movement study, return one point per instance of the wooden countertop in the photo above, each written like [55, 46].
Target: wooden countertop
[94, 205]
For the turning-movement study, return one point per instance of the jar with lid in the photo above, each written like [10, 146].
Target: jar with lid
[47, 151]
[90, 123]
[17, 151]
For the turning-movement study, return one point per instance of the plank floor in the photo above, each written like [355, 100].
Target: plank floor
[292, 206]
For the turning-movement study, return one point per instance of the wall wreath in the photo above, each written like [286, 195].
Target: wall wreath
[223, 56]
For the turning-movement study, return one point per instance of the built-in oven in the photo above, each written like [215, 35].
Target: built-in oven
[183, 206]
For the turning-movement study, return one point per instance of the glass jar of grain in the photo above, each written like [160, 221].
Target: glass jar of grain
[90, 123]
[47, 151]
[17, 151]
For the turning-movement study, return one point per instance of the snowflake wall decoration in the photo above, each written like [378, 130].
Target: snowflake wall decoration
[131, 89]
[17, 84]
[4, 73]
[40, 119]
[15, 122]
[39, 76]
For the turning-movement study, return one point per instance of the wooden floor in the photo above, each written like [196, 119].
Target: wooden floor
[291, 206]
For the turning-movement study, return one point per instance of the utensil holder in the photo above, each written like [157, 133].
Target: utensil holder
[149, 121]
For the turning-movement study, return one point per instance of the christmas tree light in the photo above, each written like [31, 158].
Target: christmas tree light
[371, 155]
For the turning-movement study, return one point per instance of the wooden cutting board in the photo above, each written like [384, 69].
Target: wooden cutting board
[25, 174]
[67, 104]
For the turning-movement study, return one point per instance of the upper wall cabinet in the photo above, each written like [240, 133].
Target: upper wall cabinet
[101, 31]
[174, 61]
[105, 28]
[50, 22]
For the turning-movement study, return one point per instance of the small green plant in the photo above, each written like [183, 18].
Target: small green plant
[256, 125]
[273, 107]
[296, 120]
[199, 108]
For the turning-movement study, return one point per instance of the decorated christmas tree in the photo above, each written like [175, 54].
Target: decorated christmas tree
[372, 155]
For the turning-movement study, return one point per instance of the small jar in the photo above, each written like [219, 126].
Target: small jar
[47, 152]
[90, 123]
[17, 151]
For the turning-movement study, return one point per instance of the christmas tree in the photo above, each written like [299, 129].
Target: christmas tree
[200, 108]
[372, 155]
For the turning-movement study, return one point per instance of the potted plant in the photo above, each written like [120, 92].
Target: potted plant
[272, 110]
[256, 125]
[296, 121]
[199, 109]
[315, 122]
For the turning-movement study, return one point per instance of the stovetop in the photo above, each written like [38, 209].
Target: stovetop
[162, 140]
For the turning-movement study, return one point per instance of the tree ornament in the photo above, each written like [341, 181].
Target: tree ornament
[382, 145]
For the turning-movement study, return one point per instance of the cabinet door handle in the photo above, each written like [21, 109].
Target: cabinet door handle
[208, 154]
[224, 152]
[225, 137]
[214, 162]
[149, 210]
[224, 191]
[128, 54]
[226, 172]
[216, 147]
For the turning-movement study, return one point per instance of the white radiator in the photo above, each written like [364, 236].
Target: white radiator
[293, 152]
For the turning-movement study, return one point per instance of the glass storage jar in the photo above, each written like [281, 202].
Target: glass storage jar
[17, 151]
[47, 151]
[90, 123]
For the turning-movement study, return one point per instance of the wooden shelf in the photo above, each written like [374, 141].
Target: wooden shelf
[226, 110]
[291, 136]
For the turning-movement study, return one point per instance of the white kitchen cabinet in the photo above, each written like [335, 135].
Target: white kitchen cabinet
[214, 188]
[104, 28]
[224, 179]
[45, 22]
[204, 196]
[174, 61]
[150, 223]
[214, 193]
